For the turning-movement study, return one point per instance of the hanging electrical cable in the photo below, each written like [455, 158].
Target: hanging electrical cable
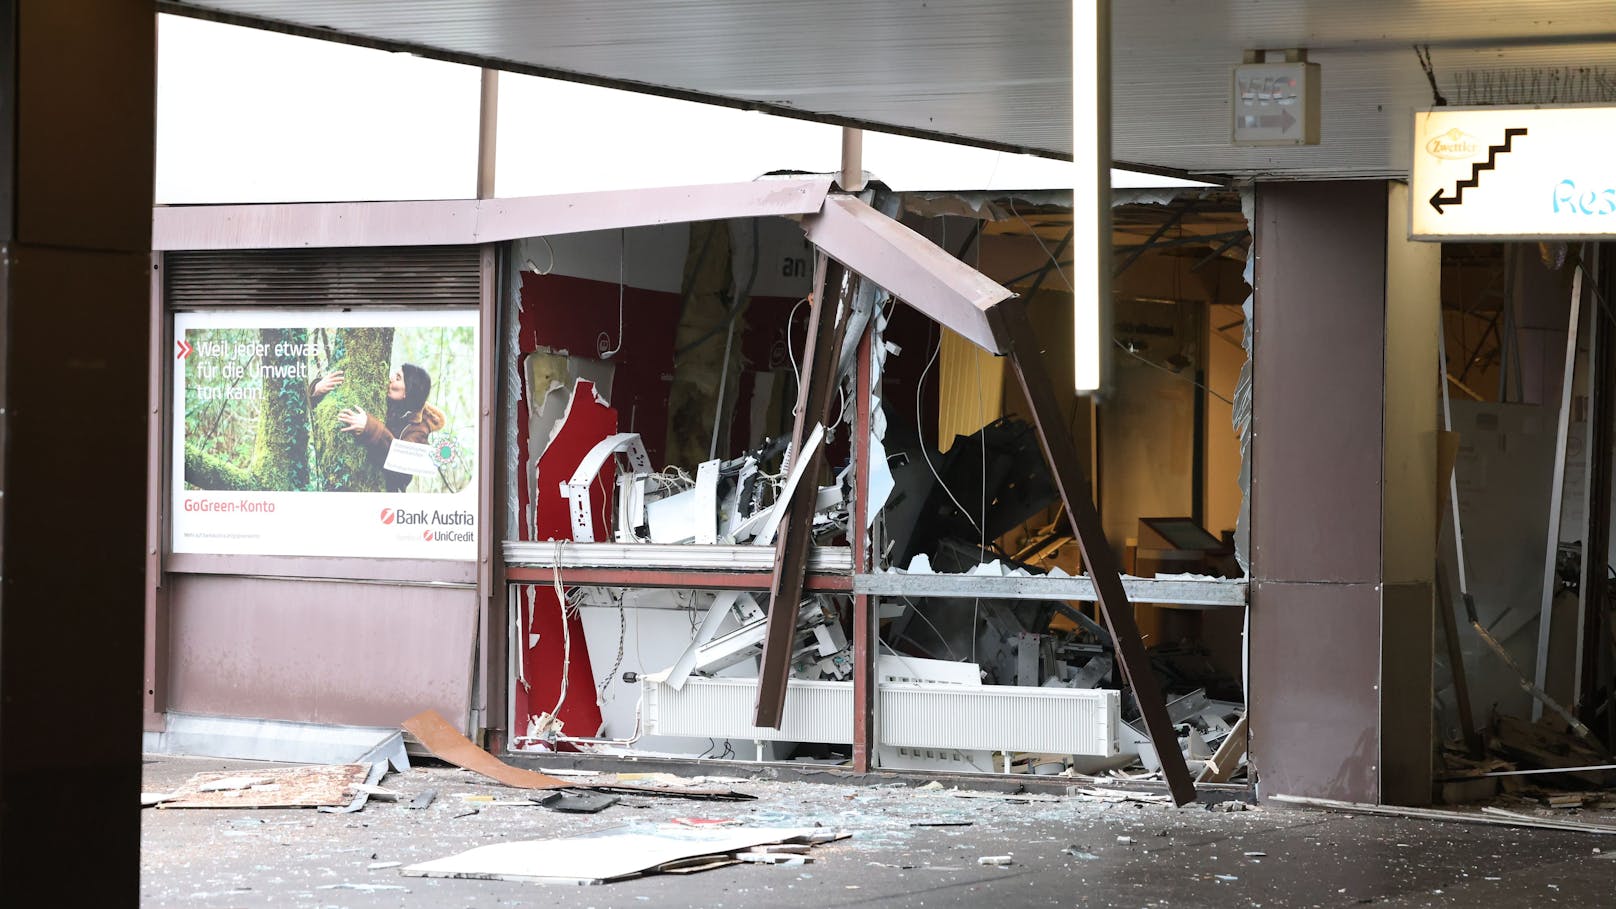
[602, 341]
[924, 455]
[566, 636]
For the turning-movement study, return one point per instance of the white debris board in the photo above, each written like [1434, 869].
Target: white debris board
[607, 855]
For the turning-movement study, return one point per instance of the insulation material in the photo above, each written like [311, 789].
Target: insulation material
[545, 649]
[970, 390]
[715, 303]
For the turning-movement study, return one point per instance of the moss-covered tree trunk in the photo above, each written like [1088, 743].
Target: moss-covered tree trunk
[281, 450]
[211, 472]
[340, 462]
[280, 454]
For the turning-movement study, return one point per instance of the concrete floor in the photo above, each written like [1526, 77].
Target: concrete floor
[1066, 853]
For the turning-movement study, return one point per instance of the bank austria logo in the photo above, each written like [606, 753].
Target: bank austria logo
[1453, 145]
[436, 526]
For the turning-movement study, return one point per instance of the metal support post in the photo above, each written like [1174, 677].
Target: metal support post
[1540, 672]
[1444, 601]
[865, 679]
[833, 292]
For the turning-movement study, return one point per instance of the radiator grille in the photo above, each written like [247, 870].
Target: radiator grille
[446, 275]
[1001, 718]
[722, 708]
[988, 718]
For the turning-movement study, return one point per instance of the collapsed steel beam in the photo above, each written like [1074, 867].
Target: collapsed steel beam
[833, 294]
[1010, 318]
[910, 267]
[960, 298]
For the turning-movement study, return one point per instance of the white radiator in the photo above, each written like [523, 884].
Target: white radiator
[905, 669]
[988, 718]
[722, 709]
[1000, 718]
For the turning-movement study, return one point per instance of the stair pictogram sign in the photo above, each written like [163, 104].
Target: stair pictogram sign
[1493, 151]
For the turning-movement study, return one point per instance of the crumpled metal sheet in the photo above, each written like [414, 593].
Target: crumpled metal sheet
[1242, 396]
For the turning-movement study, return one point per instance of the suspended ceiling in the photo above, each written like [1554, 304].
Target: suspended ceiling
[995, 73]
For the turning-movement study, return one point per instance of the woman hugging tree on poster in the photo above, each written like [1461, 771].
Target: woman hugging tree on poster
[409, 419]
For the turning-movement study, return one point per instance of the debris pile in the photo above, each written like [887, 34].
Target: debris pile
[1540, 764]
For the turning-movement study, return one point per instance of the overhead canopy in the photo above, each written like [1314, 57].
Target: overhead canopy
[908, 265]
[995, 73]
[467, 221]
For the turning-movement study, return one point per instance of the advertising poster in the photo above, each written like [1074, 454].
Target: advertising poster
[326, 434]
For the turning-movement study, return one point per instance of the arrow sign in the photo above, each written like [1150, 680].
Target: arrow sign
[185, 350]
[1282, 120]
[1438, 200]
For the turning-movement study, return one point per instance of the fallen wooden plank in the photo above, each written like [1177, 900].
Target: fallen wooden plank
[447, 744]
[1227, 758]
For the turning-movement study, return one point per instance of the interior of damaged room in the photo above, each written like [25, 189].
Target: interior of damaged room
[1526, 644]
[650, 377]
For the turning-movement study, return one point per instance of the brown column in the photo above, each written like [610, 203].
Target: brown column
[75, 222]
[1344, 495]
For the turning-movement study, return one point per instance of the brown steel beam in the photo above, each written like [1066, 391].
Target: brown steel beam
[864, 624]
[833, 287]
[1019, 337]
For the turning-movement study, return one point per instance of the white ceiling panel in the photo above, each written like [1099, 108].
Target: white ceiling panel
[993, 72]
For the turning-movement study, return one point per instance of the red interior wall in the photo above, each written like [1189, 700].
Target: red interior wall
[587, 422]
[567, 314]
[570, 314]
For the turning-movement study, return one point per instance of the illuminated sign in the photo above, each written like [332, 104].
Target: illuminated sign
[1514, 173]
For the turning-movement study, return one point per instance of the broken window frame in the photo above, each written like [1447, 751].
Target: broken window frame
[876, 248]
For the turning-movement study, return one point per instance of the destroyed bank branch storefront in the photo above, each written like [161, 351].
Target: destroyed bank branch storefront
[588, 570]
[620, 439]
